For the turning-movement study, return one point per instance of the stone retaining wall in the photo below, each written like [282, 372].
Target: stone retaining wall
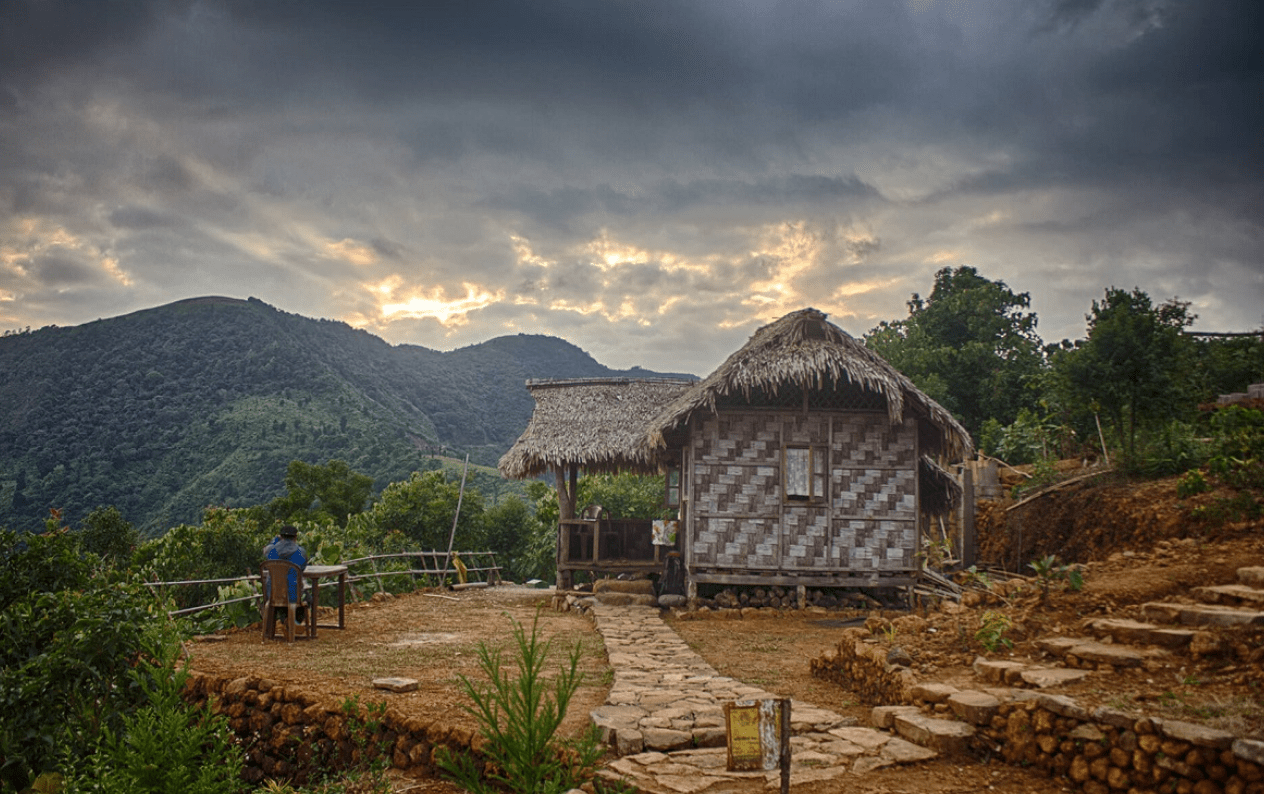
[1100, 750]
[288, 734]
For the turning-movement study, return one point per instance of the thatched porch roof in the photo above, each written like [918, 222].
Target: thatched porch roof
[596, 423]
[804, 351]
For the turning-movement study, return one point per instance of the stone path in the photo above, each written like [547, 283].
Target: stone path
[665, 718]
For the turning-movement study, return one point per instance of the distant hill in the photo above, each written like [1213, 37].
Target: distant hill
[205, 401]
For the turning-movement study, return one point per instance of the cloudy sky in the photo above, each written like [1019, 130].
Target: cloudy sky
[649, 180]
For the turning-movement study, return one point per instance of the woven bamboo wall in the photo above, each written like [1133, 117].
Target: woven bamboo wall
[738, 519]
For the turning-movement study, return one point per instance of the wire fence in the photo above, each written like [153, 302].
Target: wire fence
[407, 570]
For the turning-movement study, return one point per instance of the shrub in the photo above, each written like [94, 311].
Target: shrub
[992, 630]
[519, 716]
[1049, 570]
[1191, 484]
[164, 746]
[67, 649]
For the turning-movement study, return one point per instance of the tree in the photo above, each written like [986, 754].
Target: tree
[105, 533]
[624, 495]
[422, 508]
[509, 529]
[1132, 364]
[313, 492]
[1227, 364]
[972, 346]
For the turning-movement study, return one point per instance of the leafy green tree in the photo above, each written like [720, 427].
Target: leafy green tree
[105, 533]
[1226, 365]
[422, 508]
[624, 495]
[314, 491]
[228, 543]
[971, 345]
[1132, 366]
[510, 529]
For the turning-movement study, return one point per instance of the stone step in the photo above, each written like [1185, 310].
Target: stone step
[1252, 576]
[998, 671]
[1091, 651]
[948, 737]
[1201, 614]
[1046, 677]
[976, 708]
[1020, 674]
[1230, 595]
[1138, 633]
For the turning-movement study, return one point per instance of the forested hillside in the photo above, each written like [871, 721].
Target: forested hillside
[205, 401]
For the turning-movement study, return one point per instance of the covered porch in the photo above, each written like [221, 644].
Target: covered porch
[595, 426]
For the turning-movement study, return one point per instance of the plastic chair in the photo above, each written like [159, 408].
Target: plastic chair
[276, 577]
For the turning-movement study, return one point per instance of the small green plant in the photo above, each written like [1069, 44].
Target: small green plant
[1043, 473]
[519, 717]
[1049, 570]
[1242, 506]
[976, 577]
[1191, 483]
[888, 632]
[992, 630]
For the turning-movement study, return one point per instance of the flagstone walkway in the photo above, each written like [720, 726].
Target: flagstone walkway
[664, 716]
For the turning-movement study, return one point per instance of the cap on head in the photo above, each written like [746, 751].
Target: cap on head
[289, 531]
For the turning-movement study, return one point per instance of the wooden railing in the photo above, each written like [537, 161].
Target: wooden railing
[437, 566]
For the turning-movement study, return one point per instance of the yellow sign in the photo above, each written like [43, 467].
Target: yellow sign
[754, 734]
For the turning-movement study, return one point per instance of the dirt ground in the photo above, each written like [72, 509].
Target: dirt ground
[434, 638]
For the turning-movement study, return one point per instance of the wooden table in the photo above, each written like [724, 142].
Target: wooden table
[314, 573]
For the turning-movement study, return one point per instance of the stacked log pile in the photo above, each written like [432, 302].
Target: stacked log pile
[777, 597]
[289, 735]
[865, 668]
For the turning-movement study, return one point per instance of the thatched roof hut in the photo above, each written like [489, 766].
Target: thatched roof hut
[804, 352]
[595, 423]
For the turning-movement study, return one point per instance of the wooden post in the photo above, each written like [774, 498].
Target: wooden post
[968, 545]
[784, 739]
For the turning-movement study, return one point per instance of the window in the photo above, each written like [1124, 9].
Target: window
[672, 481]
[805, 474]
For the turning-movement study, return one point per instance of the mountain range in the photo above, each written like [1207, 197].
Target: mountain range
[205, 401]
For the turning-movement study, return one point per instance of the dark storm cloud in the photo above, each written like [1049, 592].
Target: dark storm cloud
[1115, 89]
[140, 218]
[63, 270]
[668, 159]
[37, 36]
[561, 207]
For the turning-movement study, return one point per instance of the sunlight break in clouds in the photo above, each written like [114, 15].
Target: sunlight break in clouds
[611, 253]
[794, 251]
[38, 239]
[417, 304]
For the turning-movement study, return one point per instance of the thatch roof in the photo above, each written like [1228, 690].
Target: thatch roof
[597, 423]
[804, 351]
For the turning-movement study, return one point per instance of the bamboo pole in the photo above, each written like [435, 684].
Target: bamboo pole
[456, 517]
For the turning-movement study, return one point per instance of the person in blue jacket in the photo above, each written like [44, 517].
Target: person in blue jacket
[285, 547]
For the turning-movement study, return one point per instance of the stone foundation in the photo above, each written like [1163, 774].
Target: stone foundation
[288, 734]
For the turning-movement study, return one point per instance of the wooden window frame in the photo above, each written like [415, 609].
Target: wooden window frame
[814, 470]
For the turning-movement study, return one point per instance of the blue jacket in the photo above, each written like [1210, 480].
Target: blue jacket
[287, 549]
